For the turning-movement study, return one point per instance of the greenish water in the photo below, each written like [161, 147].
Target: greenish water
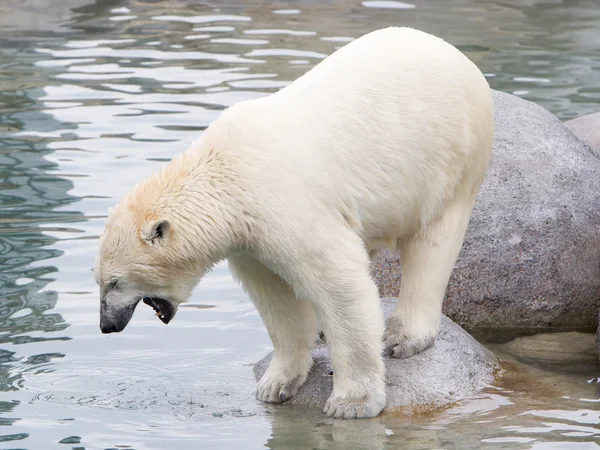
[96, 95]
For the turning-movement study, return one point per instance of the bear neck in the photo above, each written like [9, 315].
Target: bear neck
[207, 202]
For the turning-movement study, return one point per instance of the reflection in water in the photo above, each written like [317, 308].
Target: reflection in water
[290, 431]
[28, 201]
[29, 197]
[95, 95]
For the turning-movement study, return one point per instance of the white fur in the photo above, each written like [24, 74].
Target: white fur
[383, 144]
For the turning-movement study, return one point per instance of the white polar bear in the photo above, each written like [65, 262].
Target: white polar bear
[383, 144]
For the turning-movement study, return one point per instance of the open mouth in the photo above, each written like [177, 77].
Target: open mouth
[162, 307]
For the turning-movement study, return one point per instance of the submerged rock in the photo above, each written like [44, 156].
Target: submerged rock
[531, 255]
[587, 128]
[457, 366]
[571, 350]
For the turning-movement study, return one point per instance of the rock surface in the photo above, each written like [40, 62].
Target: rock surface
[455, 367]
[587, 128]
[531, 256]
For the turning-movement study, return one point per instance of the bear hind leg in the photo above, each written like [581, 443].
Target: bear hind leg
[291, 324]
[427, 262]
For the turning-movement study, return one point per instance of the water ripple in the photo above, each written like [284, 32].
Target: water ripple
[108, 52]
[203, 19]
[93, 97]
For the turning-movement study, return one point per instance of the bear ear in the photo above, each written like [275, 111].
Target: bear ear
[156, 232]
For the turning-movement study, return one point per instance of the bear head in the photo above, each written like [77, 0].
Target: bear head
[142, 257]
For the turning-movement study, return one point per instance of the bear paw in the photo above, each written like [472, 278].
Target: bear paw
[401, 344]
[278, 386]
[341, 408]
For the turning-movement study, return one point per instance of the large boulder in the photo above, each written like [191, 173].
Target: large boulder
[587, 128]
[531, 256]
[457, 366]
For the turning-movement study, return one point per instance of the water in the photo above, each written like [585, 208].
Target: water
[94, 96]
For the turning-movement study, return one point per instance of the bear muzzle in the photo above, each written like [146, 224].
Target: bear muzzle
[114, 319]
[116, 312]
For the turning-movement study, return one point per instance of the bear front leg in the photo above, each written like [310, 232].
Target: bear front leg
[353, 324]
[333, 272]
[291, 324]
[427, 262]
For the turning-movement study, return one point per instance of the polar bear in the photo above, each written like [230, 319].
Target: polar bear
[385, 143]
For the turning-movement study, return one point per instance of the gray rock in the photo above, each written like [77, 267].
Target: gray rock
[455, 367]
[531, 256]
[587, 128]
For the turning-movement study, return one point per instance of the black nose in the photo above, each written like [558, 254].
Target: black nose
[108, 328]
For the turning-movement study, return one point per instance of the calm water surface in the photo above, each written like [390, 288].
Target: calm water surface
[96, 95]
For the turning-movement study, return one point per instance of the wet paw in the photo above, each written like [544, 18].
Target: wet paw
[278, 386]
[400, 344]
[340, 408]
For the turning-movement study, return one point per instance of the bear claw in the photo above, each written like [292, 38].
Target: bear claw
[337, 408]
[400, 344]
[275, 388]
[276, 393]
[406, 349]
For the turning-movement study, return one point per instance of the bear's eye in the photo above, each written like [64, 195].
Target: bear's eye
[112, 283]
